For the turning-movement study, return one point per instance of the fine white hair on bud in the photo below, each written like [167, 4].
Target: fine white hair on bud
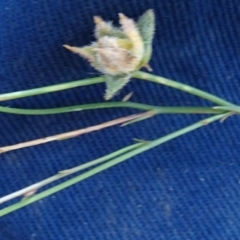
[118, 52]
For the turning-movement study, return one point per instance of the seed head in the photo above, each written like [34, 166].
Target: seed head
[118, 52]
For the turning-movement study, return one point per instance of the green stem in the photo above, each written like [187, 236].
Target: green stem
[182, 87]
[137, 74]
[234, 109]
[64, 173]
[140, 106]
[108, 164]
[52, 88]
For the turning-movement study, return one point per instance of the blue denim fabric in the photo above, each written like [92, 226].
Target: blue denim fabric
[186, 189]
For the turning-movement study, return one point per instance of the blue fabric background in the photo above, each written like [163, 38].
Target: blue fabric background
[185, 189]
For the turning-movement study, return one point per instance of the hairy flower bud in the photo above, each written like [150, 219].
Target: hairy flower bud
[118, 52]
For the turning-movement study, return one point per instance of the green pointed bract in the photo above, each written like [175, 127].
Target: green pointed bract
[146, 27]
[114, 84]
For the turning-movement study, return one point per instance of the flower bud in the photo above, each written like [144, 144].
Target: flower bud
[118, 52]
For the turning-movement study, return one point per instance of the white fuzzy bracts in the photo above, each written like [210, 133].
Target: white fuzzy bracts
[118, 52]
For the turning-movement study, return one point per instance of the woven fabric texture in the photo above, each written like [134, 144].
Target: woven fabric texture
[186, 189]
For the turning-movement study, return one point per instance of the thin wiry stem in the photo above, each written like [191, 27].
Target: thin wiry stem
[71, 134]
[234, 109]
[139, 106]
[52, 88]
[108, 164]
[182, 87]
[137, 74]
[35, 187]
